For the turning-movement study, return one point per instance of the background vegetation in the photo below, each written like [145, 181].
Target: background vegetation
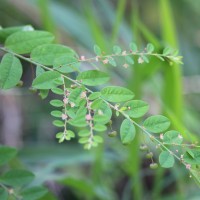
[110, 171]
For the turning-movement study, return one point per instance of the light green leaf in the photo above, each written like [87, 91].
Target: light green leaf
[99, 127]
[58, 123]
[58, 91]
[5, 32]
[75, 95]
[167, 51]
[192, 156]
[34, 193]
[157, 123]
[166, 160]
[136, 108]
[39, 70]
[98, 139]
[56, 103]
[127, 131]
[46, 80]
[56, 113]
[17, 177]
[66, 64]
[150, 48]
[93, 77]
[25, 41]
[129, 60]
[10, 71]
[97, 50]
[94, 95]
[133, 47]
[6, 154]
[84, 133]
[117, 49]
[172, 137]
[47, 54]
[112, 61]
[116, 94]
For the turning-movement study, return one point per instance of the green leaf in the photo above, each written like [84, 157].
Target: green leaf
[5, 32]
[6, 154]
[84, 133]
[116, 94]
[192, 156]
[10, 71]
[47, 54]
[157, 123]
[172, 137]
[167, 51]
[93, 77]
[56, 113]
[150, 48]
[112, 61]
[75, 95]
[129, 60]
[83, 140]
[3, 194]
[43, 93]
[127, 131]
[133, 47]
[58, 91]
[46, 80]
[25, 41]
[97, 50]
[117, 49]
[66, 64]
[98, 139]
[39, 70]
[103, 113]
[58, 123]
[94, 95]
[17, 177]
[34, 193]
[166, 160]
[145, 58]
[136, 108]
[56, 103]
[99, 127]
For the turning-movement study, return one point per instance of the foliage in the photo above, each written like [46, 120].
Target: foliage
[77, 105]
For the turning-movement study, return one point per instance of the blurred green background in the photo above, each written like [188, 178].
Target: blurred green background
[111, 171]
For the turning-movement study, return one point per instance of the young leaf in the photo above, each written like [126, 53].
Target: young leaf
[166, 160]
[112, 61]
[17, 177]
[116, 94]
[84, 133]
[57, 91]
[129, 60]
[172, 137]
[117, 49]
[6, 154]
[157, 123]
[25, 41]
[58, 123]
[46, 54]
[99, 127]
[133, 47]
[192, 156]
[150, 48]
[75, 95]
[98, 139]
[127, 131]
[136, 108]
[97, 50]
[33, 193]
[93, 77]
[10, 71]
[56, 113]
[46, 80]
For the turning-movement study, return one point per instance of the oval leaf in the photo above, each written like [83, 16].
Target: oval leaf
[47, 54]
[157, 123]
[10, 71]
[46, 80]
[192, 156]
[6, 154]
[136, 108]
[127, 131]
[166, 160]
[116, 94]
[172, 137]
[93, 77]
[25, 41]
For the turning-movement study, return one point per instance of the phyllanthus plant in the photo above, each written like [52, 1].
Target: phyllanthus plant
[78, 107]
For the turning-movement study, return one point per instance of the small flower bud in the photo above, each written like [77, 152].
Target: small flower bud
[64, 116]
